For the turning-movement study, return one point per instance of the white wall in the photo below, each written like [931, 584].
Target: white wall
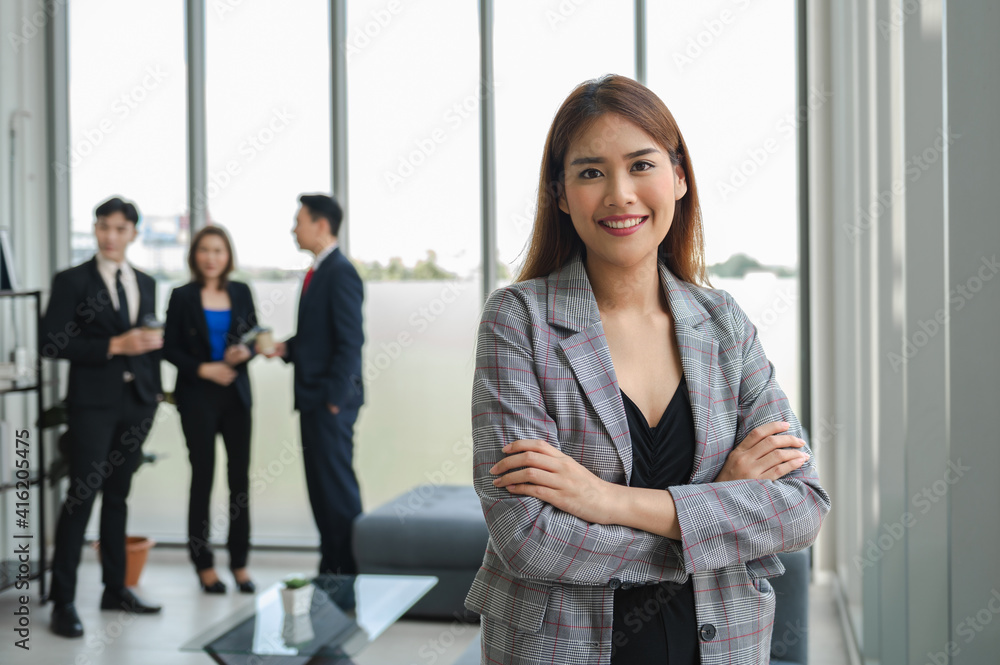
[24, 26]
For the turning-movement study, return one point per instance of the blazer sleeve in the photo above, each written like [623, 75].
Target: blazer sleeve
[536, 540]
[63, 336]
[347, 332]
[175, 350]
[740, 520]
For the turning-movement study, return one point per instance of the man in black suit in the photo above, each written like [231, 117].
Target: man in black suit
[114, 388]
[326, 351]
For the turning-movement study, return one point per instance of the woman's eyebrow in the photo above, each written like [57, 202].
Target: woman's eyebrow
[600, 160]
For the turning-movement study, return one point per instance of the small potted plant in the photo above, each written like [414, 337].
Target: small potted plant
[296, 595]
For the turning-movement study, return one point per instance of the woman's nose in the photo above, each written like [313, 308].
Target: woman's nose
[620, 192]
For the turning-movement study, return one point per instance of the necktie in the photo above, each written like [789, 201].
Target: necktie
[308, 278]
[122, 301]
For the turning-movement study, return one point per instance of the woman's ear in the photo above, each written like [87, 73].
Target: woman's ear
[680, 183]
[561, 197]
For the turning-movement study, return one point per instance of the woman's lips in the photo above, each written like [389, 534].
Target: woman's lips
[630, 224]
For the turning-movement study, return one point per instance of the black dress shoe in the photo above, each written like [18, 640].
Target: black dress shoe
[123, 599]
[215, 587]
[65, 620]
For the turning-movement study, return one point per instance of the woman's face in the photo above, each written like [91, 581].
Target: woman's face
[620, 189]
[211, 256]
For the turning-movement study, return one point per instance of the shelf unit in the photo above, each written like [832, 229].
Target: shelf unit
[36, 480]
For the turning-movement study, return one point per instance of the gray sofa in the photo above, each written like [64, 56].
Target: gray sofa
[430, 530]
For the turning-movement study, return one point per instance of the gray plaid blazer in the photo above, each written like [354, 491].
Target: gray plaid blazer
[544, 371]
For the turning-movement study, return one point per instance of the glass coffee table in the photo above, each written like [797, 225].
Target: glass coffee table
[347, 614]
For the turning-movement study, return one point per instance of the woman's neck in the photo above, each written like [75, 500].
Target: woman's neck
[632, 290]
[212, 284]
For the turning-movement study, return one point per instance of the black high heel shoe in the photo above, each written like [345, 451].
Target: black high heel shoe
[216, 587]
[246, 586]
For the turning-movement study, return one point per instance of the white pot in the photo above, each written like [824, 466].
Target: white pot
[297, 629]
[297, 601]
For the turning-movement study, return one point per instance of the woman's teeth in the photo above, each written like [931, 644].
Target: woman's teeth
[624, 223]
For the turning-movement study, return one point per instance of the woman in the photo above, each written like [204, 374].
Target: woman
[637, 462]
[205, 320]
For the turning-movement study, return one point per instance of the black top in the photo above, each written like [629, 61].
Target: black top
[657, 622]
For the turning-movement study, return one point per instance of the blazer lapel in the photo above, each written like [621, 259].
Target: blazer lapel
[200, 320]
[235, 313]
[700, 358]
[573, 306]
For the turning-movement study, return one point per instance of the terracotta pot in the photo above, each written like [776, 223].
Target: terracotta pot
[136, 552]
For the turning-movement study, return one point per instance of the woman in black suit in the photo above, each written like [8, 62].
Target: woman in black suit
[205, 320]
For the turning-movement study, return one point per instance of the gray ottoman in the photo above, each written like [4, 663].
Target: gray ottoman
[431, 530]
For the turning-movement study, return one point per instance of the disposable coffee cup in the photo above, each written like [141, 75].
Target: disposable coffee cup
[265, 341]
[150, 324]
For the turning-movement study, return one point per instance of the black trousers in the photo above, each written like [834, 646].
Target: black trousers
[219, 411]
[106, 450]
[328, 457]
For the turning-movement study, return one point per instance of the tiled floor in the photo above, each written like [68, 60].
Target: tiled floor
[168, 579]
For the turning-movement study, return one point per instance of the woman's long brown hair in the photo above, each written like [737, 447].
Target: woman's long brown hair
[553, 239]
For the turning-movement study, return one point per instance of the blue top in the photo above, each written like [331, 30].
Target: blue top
[218, 327]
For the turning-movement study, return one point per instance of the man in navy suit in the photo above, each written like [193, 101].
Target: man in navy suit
[326, 351]
[93, 320]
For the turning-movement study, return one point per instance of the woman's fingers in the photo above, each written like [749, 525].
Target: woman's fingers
[527, 452]
[777, 442]
[528, 475]
[760, 433]
[528, 458]
[536, 445]
[783, 460]
[783, 469]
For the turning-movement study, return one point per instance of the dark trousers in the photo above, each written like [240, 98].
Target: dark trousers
[106, 449]
[328, 455]
[218, 411]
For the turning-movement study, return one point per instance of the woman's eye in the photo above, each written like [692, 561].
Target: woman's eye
[642, 166]
[589, 174]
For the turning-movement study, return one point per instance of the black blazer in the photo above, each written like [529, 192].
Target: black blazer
[326, 348]
[78, 325]
[186, 344]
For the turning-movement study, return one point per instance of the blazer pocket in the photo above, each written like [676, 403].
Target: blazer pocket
[767, 566]
[507, 599]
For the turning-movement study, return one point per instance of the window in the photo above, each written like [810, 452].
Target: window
[561, 40]
[733, 94]
[128, 137]
[268, 133]
[414, 216]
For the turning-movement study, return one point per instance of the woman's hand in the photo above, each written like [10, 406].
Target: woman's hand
[556, 478]
[217, 372]
[236, 354]
[760, 456]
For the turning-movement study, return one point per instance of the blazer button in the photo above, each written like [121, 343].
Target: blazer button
[614, 583]
[707, 632]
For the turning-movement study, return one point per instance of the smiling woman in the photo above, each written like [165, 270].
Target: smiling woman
[586, 488]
